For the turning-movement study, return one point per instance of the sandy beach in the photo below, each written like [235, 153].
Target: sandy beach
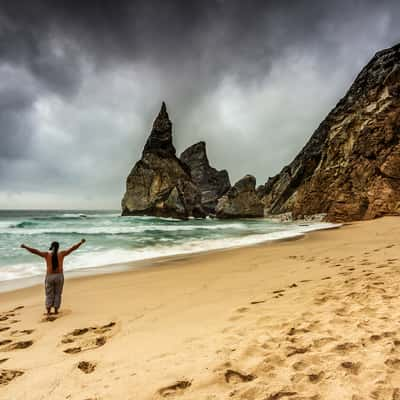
[313, 318]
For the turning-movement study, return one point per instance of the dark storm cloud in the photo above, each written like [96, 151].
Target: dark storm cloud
[16, 99]
[84, 79]
[208, 37]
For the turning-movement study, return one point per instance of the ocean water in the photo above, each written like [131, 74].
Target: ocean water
[113, 239]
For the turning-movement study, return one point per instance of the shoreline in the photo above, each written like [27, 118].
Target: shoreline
[315, 317]
[135, 265]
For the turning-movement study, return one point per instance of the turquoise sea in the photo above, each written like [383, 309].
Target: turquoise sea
[113, 239]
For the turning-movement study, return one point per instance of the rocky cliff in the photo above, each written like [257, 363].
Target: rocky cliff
[241, 201]
[159, 183]
[350, 167]
[212, 183]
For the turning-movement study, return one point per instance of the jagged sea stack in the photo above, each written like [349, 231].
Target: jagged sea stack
[159, 183]
[212, 183]
[350, 167]
[241, 201]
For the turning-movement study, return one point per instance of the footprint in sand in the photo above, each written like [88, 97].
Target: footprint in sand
[352, 367]
[232, 376]
[278, 293]
[88, 338]
[176, 388]
[393, 363]
[55, 317]
[315, 378]
[17, 345]
[22, 333]
[49, 318]
[320, 342]
[294, 331]
[345, 347]
[291, 351]
[385, 393]
[235, 318]
[5, 316]
[279, 395]
[10, 321]
[389, 334]
[375, 338]
[299, 365]
[322, 300]
[7, 375]
[341, 312]
[86, 367]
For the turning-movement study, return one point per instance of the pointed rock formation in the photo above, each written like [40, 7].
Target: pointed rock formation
[160, 139]
[350, 167]
[241, 201]
[159, 183]
[212, 183]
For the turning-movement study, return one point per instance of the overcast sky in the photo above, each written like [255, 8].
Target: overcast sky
[81, 84]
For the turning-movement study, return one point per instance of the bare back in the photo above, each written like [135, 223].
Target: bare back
[49, 262]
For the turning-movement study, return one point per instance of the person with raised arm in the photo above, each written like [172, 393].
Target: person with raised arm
[54, 282]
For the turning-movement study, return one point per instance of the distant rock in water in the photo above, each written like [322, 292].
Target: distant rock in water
[350, 167]
[159, 183]
[241, 201]
[212, 183]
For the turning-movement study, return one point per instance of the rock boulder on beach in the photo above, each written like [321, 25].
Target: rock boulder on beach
[241, 201]
[211, 182]
[160, 184]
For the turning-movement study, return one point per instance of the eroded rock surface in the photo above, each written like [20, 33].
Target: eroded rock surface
[159, 183]
[241, 201]
[211, 182]
[350, 167]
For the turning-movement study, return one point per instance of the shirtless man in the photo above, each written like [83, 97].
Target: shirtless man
[55, 272]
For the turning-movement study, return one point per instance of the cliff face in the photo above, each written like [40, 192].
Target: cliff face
[212, 183]
[350, 167]
[159, 183]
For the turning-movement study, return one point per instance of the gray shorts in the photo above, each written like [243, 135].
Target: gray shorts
[54, 284]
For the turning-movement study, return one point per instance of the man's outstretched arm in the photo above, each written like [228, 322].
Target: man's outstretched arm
[34, 251]
[73, 248]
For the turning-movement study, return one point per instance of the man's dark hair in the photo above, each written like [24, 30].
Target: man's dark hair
[54, 257]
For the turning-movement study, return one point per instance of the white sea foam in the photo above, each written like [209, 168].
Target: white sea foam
[97, 258]
[7, 224]
[112, 230]
[73, 215]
